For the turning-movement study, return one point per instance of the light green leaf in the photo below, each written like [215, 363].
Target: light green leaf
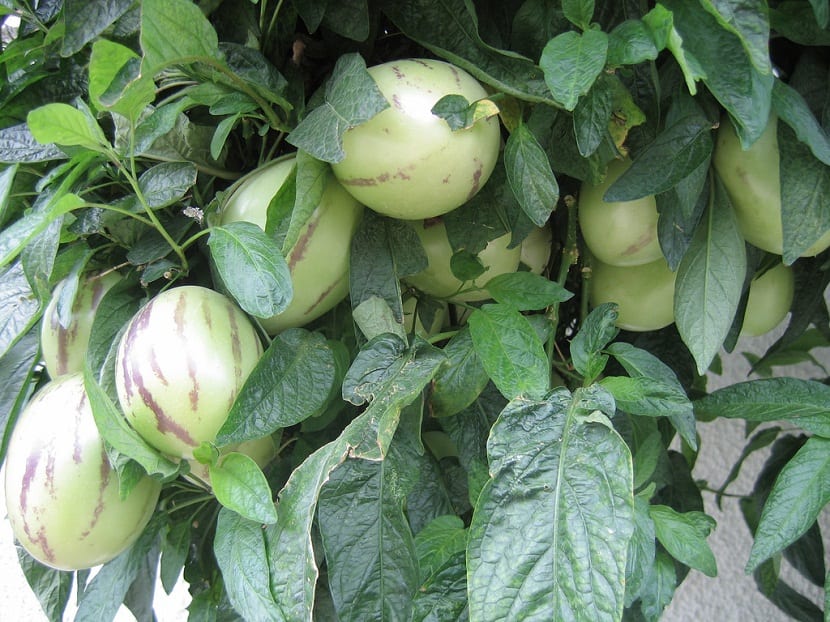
[240, 485]
[530, 176]
[510, 351]
[252, 268]
[106, 62]
[710, 280]
[566, 487]
[374, 317]
[175, 32]
[351, 98]
[579, 12]
[804, 403]
[684, 537]
[571, 63]
[291, 382]
[65, 125]
[801, 490]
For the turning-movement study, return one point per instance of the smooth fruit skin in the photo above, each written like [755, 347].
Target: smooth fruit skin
[64, 348]
[770, 297]
[536, 249]
[61, 494]
[319, 260]
[752, 180]
[644, 294]
[180, 364]
[407, 163]
[438, 280]
[619, 233]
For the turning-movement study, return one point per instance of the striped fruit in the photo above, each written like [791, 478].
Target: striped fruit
[180, 364]
[64, 347]
[61, 494]
[319, 260]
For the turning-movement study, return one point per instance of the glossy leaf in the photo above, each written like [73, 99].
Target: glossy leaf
[18, 366]
[19, 307]
[67, 126]
[571, 62]
[252, 268]
[458, 383]
[564, 488]
[175, 32]
[526, 291]
[166, 183]
[596, 332]
[291, 382]
[510, 351]
[801, 490]
[240, 485]
[86, 20]
[791, 107]
[530, 176]
[749, 21]
[684, 537]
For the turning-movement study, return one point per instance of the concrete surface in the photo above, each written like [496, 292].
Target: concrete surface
[730, 597]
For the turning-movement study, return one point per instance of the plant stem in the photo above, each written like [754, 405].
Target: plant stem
[570, 257]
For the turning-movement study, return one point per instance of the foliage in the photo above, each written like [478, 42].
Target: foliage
[528, 461]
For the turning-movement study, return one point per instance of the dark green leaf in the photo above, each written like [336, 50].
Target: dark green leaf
[372, 265]
[249, 64]
[252, 268]
[18, 145]
[17, 236]
[349, 18]
[673, 156]
[85, 20]
[240, 485]
[312, 177]
[166, 183]
[596, 332]
[526, 291]
[642, 551]
[351, 98]
[790, 106]
[19, 308]
[571, 62]
[17, 367]
[443, 597]
[438, 542]
[563, 488]
[458, 383]
[510, 351]
[749, 21]
[461, 114]
[530, 176]
[290, 383]
[801, 490]
[174, 550]
[684, 537]
[51, 587]
[592, 116]
[175, 32]
[709, 281]
[465, 266]
[804, 403]
[374, 364]
[631, 43]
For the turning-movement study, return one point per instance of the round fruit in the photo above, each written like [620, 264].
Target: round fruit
[644, 294]
[536, 249]
[61, 494]
[412, 320]
[770, 297]
[319, 260]
[751, 178]
[438, 279]
[619, 233]
[64, 347]
[407, 163]
[180, 364]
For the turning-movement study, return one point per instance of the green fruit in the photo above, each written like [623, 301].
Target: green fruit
[618, 233]
[64, 347]
[407, 163]
[752, 180]
[438, 279]
[644, 294]
[536, 249]
[770, 297]
[412, 320]
[319, 260]
[180, 364]
[61, 493]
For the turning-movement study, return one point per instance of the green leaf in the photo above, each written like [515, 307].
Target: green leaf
[240, 485]
[372, 263]
[572, 62]
[252, 268]
[642, 552]
[166, 183]
[438, 542]
[566, 487]
[526, 291]
[65, 125]
[630, 43]
[51, 587]
[363, 525]
[710, 280]
[85, 20]
[351, 98]
[241, 549]
[175, 32]
[374, 317]
[684, 537]
[19, 307]
[106, 63]
[117, 432]
[510, 351]
[749, 21]
[290, 383]
[801, 490]
[458, 383]
[174, 551]
[579, 12]
[18, 366]
[312, 177]
[804, 403]
[17, 144]
[530, 175]
[596, 332]
[461, 114]
[641, 363]
[443, 596]
[592, 115]
[790, 106]
[805, 195]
